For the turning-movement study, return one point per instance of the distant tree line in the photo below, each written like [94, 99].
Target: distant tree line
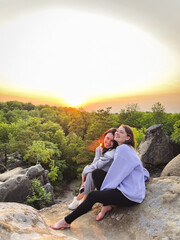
[63, 139]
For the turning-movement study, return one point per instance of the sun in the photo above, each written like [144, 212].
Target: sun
[74, 101]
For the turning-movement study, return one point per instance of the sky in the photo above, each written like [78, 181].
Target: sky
[91, 53]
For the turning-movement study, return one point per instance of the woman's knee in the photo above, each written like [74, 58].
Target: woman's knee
[96, 172]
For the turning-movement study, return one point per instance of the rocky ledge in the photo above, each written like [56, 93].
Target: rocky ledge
[158, 217]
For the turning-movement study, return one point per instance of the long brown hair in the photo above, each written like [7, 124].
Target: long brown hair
[130, 133]
[115, 144]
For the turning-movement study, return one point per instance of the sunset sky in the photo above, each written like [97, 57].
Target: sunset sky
[91, 54]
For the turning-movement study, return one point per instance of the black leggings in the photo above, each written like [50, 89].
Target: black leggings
[98, 176]
[109, 197]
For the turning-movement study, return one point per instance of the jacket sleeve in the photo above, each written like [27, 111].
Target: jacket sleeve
[146, 174]
[107, 158]
[98, 153]
[125, 160]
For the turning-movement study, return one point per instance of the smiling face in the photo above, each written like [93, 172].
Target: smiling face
[108, 140]
[121, 135]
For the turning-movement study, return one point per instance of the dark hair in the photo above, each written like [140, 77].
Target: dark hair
[130, 133]
[115, 144]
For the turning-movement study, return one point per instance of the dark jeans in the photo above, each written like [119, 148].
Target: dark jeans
[109, 197]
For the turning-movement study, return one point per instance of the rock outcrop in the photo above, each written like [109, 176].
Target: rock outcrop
[157, 149]
[158, 217]
[172, 168]
[19, 221]
[15, 185]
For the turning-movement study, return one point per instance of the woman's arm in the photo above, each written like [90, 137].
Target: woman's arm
[104, 160]
[98, 153]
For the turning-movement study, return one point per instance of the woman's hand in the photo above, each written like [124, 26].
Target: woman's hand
[83, 180]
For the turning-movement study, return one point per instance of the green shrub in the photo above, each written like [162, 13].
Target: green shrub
[176, 134]
[39, 198]
[139, 135]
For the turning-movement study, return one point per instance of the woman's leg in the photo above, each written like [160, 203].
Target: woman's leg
[89, 184]
[109, 197]
[98, 176]
[88, 187]
[93, 180]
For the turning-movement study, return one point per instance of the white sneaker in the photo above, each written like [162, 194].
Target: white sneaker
[75, 203]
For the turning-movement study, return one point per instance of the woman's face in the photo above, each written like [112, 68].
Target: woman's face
[121, 136]
[108, 140]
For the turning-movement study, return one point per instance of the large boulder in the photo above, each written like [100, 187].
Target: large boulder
[15, 189]
[19, 221]
[158, 217]
[172, 168]
[156, 149]
[35, 171]
[9, 174]
[15, 185]
[174, 146]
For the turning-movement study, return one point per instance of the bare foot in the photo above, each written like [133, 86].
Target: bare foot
[104, 210]
[62, 224]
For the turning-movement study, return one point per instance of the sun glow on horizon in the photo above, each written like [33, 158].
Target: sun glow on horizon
[74, 101]
[78, 57]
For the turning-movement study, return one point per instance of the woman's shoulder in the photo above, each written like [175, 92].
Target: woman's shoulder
[110, 152]
[124, 147]
[127, 151]
[99, 149]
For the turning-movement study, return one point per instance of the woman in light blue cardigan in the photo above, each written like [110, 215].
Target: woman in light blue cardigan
[123, 185]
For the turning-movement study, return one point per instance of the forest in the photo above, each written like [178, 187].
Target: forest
[63, 139]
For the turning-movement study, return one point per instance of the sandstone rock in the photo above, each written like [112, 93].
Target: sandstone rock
[19, 221]
[158, 217]
[172, 168]
[15, 189]
[156, 149]
[15, 185]
[7, 175]
[35, 171]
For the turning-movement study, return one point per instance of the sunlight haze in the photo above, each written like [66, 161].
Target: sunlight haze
[78, 57]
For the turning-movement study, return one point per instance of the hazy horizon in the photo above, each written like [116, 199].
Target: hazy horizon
[89, 54]
[115, 104]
